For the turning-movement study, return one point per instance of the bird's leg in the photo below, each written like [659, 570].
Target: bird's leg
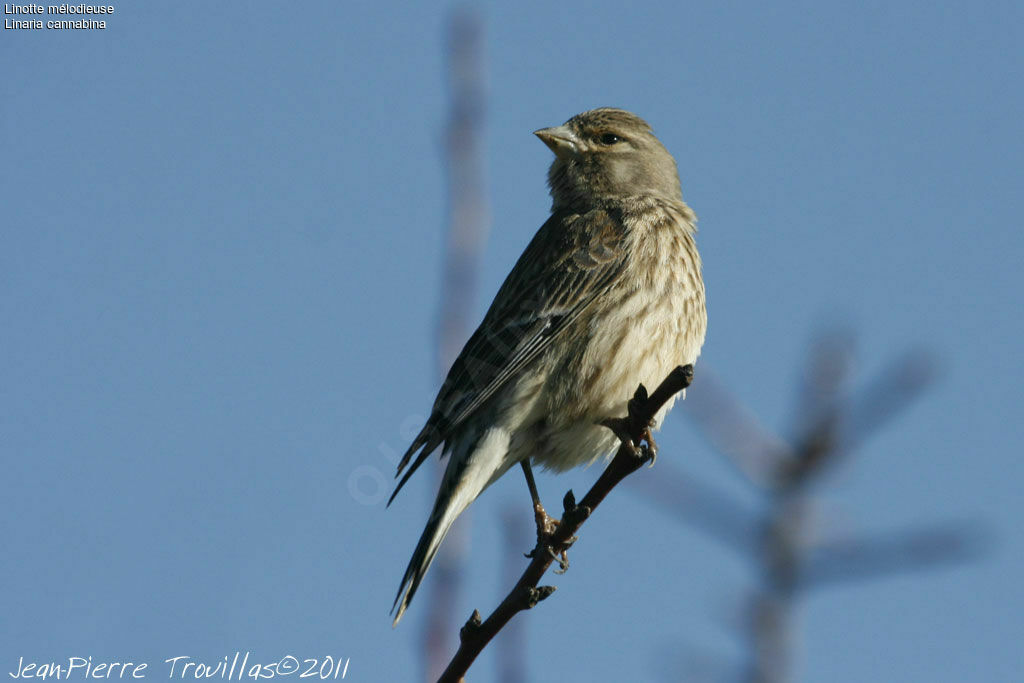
[546, 524]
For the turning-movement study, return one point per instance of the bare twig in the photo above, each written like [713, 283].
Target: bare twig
[637, 449]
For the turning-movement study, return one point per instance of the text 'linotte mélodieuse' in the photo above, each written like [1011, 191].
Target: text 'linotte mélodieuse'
[83, 16]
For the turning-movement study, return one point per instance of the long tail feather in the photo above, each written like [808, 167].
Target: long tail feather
[428, 439]
[469, 472]
[437, 528]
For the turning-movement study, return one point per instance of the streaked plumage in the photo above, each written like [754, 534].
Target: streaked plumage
[607, 295]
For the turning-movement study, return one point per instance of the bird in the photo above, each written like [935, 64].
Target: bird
[607, 295]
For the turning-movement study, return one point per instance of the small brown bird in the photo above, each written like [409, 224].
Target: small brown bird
[607, 295]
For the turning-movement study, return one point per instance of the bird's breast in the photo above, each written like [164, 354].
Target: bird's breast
[651, 320]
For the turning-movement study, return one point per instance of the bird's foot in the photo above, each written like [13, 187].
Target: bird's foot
[643, 447]
[562, 559]
[547, 526]
[649, 447]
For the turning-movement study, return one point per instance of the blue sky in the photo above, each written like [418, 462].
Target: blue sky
[223, 234]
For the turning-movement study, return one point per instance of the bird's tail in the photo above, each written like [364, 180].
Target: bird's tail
[464, 480]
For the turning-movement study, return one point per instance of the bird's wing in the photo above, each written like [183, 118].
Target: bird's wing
[571, 261]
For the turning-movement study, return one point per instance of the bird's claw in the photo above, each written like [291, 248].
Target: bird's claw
[645, 447]
[546, 527]
[561, 558]
[651, 449]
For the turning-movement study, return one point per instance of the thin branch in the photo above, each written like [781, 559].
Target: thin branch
[633, 430]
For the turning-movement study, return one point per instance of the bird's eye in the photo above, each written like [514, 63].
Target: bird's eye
[609, 139]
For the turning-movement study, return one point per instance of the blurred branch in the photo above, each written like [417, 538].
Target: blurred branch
[902, 382]
[826, 371]
[467, 231]
[907, 551]
[734, 431]
[689, 662]
[633, 430]
[467, 199]
[830, 424]
[708, 509]
[512, 645]
[843, 423]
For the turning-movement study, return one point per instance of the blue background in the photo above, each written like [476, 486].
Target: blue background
[222, 245]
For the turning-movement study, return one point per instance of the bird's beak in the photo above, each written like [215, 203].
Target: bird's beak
[562, 141]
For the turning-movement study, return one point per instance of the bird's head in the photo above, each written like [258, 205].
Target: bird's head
[607, 154]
